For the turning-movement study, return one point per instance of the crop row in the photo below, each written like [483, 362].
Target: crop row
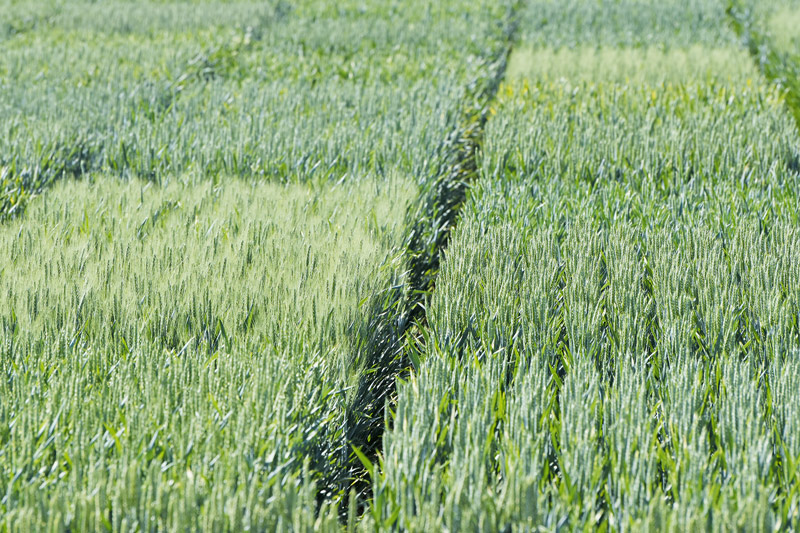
[292, 94]
[194, 332]
[614, 333]
[205, 332]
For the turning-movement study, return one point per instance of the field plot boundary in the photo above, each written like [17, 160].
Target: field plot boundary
[778, 67]
[393, 338]
[520, 265]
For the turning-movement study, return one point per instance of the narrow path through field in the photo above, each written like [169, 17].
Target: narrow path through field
[395, 332]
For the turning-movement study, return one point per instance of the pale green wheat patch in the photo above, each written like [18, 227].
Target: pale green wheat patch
[179, 351]
[635, 66]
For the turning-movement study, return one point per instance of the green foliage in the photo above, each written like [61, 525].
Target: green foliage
[629, 250]
[173, 353]
[778, 60]
[216, 346]
[320, 267]
[262, 92]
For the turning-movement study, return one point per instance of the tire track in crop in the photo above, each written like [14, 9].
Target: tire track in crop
[398, 316]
